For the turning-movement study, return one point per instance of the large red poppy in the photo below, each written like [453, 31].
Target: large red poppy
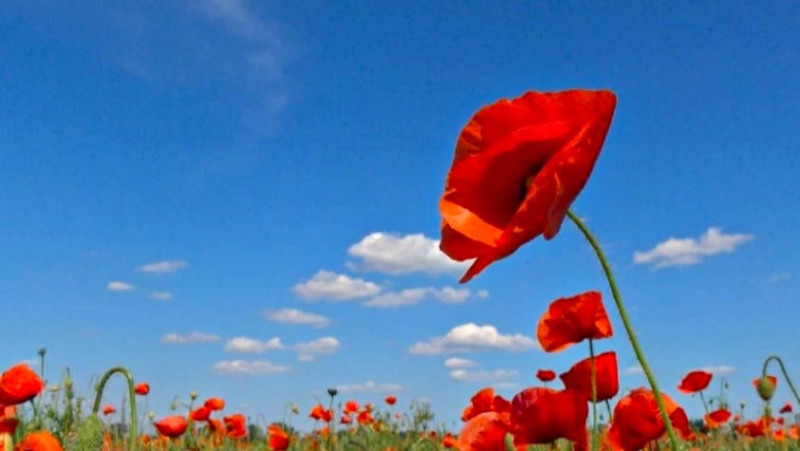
[483, 401]
[19, 384]
[483, 432]
[571, 320]
[579, 377]
[543, 415]
[518, 166]
[637, 420]
[172, 426]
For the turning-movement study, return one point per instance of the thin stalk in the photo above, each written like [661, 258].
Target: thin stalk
[131, 396]
[623, 313]
[593, 366]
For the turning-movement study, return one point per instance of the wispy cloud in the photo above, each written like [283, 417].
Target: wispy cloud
[191, 338]
[335, 287]
[395, 254]
[690, 251]
[308, 350]
[482, 376]
[163, 267]
[245, 345]
[119, 286]
[295, 316]
[251, 368]
[161, 295]
[633, 369]
[370, 387]
[413, 296]
[719, 369]
[457, 363]
[471, 337]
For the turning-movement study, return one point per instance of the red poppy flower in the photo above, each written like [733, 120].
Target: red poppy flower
[235, 425]
[483, 432]
[320, 413]
[215, 403]
[172, 426]
[569, 321]
[390, 400]
[108, 409]
[278, 438]
[717, 417]
[579, 377]
[39, 441]
[787, 408]
[142, 389]
[637, 420]
[518, 166]
[19, 384]
[486, 401]
[201, 413]
[545, 375]
[695, 381]
[542, 415]
[8, 420]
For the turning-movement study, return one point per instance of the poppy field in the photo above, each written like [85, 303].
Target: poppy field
[519, 165]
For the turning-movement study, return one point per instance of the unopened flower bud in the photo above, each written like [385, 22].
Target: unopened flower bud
[766, 387]
[151, 415]
[295, 409]
[54, 388]
[193, 395]
[68, 383]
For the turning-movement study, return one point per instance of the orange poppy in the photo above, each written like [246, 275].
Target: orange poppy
[142, 389]
[545, 375]
[19, 384]
[637, 420]
[108, 409]
[39, 441]
[278, 438]
[320, 413]
[390, 400]
[579, 377]
[215, 403]
[486, 401]
[571, 320]
[172, 426]
[483, 432]
[542, 415]
[518, 166]
[351, 407]
[695, 381]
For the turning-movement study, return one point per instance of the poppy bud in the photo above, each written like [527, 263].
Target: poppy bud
[765, 388]
[174, 405]
[193, 395]
[332, 392]
[54, 388]
[68, 383]
[295, 409]
[151, 415]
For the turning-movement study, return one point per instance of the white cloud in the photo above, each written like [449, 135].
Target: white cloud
[254, 367]
[393, 254]
[471, 337]
[483, 294]
[719, 369]
[689, 251]
[161, 295]
[403, 298]
[325, 345]
[482, 376]
[246, 345]
[294, 316]
[370, 387]
[337, 287]
[194, 337]
[455, 363]
[413, 296]
[163, 267]
[119, 286]
[634, 369]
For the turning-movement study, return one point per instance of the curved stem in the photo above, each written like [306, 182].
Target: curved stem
[98, 398]
[785, 374]
[623, 313]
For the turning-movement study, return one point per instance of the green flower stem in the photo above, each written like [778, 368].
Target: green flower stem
[98, 398]
[623, 313]
[785, 374]
[594, 394]
[703, 400]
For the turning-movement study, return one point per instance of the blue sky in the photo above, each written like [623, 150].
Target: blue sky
[240, 197]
